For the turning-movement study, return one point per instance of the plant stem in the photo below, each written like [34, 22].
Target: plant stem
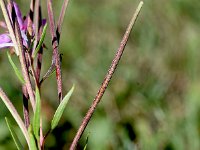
[19, 46]
[36, 23]
[24, 65]
[106, 79]
[25, 106]
[61, 18]
[30, 18]
[56, 56]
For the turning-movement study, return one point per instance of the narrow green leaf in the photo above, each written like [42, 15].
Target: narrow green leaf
[15, 115]
[17, 72]
[13, 134]
[32, 139]
[61, 109]
[41, 41]
[36, 118]
[86, 143]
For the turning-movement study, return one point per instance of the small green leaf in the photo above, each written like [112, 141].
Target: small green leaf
[14, 136]
[36, 118]
[32, 139]
[60, 109]
[41, 41]
[17, 72]
[86, 143]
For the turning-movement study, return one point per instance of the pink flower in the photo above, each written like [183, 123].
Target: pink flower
[5, 40]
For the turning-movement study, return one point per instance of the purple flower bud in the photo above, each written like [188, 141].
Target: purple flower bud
[44, 21]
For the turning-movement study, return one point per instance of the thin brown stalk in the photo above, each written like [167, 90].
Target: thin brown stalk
[36, 23]
[25, 107]
[106, 79]
[30, 18]
[38, 66]
[58, 33]
[25, 69]
[61, 18]
[23, 60]
[40, 52]
[32, 69]
[55, 57]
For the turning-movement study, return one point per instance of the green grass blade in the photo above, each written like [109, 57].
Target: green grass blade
[17, 72]
[15, 115]
[32, 139]
[41, 41]
[86, 143]
[61, 109]
[36, 118]
[14, 136]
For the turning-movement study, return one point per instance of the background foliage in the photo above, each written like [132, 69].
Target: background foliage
[153, 101]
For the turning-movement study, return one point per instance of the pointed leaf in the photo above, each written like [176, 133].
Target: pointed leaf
[32, 139]
[36, 119]
[17, 72]
[41, 41]
[13, 134]
[61, 109]
[86, 143]
[15, 115]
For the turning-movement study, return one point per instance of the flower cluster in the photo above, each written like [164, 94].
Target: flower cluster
[5, 40]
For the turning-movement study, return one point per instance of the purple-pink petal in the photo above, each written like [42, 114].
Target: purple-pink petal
[4, 38]
[5, 41]
[25, 24]
[6, 45]
[3, 24]
[19, 15]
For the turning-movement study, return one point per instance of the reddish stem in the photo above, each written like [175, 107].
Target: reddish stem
[106, 79]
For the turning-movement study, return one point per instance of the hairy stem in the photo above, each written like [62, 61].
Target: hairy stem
[23, 60]
[36, 23]
[25, 106]
[61, 18]
[106, 79]
[56, 56]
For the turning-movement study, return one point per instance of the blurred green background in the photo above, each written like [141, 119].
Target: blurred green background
[153, 100]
